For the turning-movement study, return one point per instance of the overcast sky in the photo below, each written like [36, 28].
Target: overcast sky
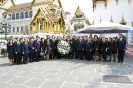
[71, 5]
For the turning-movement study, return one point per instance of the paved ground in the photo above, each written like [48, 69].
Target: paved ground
[64, 73]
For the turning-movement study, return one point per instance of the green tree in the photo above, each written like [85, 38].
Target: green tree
[25, 31]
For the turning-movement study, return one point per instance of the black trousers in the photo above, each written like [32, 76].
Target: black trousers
[85, 54]
[31, 56]
[36, 53]
[25, 57]
[18, 58]
[15, 61]
[104, 53]
[54, 55]
[121, 54]
[73, 53]
[80, 52]
[76, 54]
[88, 55]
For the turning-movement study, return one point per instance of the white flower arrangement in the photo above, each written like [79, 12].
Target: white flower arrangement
[63, 47]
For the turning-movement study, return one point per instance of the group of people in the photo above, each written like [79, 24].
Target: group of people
[24, 50]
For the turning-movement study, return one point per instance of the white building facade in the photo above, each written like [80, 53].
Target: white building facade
[117, 11]
[19, 16]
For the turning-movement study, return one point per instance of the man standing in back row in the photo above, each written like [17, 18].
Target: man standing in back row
[121, 48]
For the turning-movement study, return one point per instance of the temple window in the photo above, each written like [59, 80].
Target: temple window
[13, 29]
[17, 29]
[5, 16]
[17, 16]
[21, 15]
[26, 14]
[21, 28]
[41, 24]
[78, 27]
[13, 16]
[30, 28]
[78, 16]
[30, 14]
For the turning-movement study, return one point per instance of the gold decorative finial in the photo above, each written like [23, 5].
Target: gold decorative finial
[94, 5]
[123, 22]
[105, 3]
[128, 1]
[100, 19]
[116, 2]
[111, 20]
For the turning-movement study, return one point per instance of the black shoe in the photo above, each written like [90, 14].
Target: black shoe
[121, 62]
[118, 61]
[104, 60]
[109, 60]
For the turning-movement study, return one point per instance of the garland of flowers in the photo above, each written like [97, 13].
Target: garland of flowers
[63, 47]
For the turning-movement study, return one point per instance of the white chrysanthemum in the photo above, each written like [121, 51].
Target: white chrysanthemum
[63, 47]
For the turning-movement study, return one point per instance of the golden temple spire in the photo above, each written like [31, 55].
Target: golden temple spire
[111, 20]
[79, 11]
[116, 2]
[123, 22]
[105, 3]
[128, 1]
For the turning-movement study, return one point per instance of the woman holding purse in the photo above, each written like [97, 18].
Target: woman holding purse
[10, 51]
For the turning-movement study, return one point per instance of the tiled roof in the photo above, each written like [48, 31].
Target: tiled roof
[24, 5]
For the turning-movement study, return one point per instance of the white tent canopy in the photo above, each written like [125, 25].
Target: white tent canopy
[105, 27]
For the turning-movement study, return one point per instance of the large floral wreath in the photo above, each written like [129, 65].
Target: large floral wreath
[63, 47]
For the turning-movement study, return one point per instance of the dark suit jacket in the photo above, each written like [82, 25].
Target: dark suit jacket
[17, 47]
[25, 47]
[121, 45]
[30, 45]
[80, 45]
[88, 46]
[36, 45]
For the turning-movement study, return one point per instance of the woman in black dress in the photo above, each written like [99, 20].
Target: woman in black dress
[104, 49]
[100, 47]
[48, 49]
[10, 51]
[110, 46]
[96, 46]
[114, 48]
[42, 47]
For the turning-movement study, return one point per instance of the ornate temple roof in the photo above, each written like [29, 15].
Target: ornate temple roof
[79, 12]
[19, 6]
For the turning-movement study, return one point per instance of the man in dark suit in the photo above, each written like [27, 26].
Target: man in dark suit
[121, 48]
[31, 50]
[17, 51]
[80, 48]
[25, 50]
[85, 41]
[88, 49]
[36, 45]
[53, 46]
[73, 47]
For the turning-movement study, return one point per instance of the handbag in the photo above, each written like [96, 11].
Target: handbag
[42, 54]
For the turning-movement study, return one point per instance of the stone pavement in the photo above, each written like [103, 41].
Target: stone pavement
[64, 73]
